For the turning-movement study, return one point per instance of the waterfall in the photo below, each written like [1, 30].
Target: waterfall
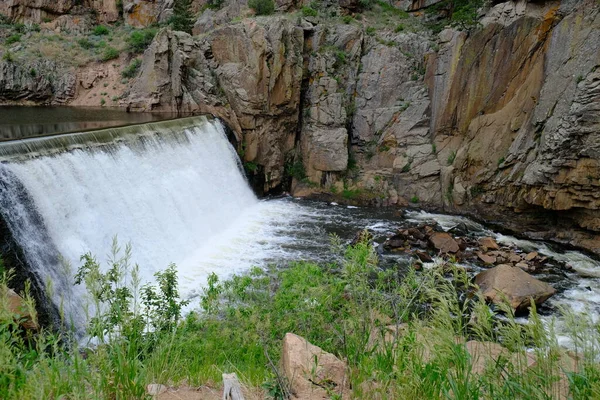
[167, 188]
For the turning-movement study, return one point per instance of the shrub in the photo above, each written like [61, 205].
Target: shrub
[308, 11]
[131, 70]
[414, 199]
[296, 169]
[262, 7]
[33, 72]
[102, 102]
[13, 39]
[399, 28]
[371, 30]
[110, 53]
[139, 40]
[4, 20]
[8, 56]
[214, 4]
[85, 43]
[100, 30]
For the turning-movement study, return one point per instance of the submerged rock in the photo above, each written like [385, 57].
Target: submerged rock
[514, 285]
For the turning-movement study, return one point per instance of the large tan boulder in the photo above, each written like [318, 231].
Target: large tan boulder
[513, 284]
[310, 370]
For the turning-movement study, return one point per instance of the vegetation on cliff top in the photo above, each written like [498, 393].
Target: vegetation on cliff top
[346, 307]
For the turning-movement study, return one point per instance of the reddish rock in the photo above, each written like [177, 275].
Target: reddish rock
[309, 369]
[488, 243]
[423, 256]
[16, 305]
[513, 284]
[531, 256]
[444, 242]
[487, 259]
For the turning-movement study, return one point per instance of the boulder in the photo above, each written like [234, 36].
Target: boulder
[423, 256]
[444, 242]
[531, 256]
[17, 307]
[486, 258]
[514, 285]
[488, 243]
[309, 369]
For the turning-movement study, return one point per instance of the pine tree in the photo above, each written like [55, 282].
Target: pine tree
[182, 18]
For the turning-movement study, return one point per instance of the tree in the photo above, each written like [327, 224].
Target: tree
[182, 18]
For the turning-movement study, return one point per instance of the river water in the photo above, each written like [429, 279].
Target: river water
[175, 190]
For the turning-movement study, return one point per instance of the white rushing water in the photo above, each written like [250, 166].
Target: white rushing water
[167, 193]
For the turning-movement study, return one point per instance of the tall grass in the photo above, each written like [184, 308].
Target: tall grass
[403, 335]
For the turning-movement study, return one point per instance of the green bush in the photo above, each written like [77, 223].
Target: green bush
[308, 11]
[13, 39]
[347, 19]
[371, 30]
[100, 30]
[110, 53]
[262, 7]
[131, 70]
[86, 43]
[139, 40]
[8, 56]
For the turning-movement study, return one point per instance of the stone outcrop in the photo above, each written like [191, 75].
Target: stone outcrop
[38, 11]
[309, 370]
[506, 283]
[248, 74]
[39, 82]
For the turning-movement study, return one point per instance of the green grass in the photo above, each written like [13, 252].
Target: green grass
[345, 307]
[131, 70]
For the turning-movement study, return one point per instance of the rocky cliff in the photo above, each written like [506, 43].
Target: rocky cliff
[500, 120]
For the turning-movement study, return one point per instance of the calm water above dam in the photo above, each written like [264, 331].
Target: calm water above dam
[17, 122]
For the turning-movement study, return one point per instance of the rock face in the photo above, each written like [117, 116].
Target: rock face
[249, 74]
[501, 121]
[516, 286]
[309, 369]
[46, 83]
[37, 11]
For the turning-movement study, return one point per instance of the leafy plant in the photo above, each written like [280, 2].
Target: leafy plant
[308, 11]
[100, 30]
[262, 7]
[12, 39]
[131, 70]
[451, 157]
[110, 53]
[414, 199]
[139, 40]
[8, 56]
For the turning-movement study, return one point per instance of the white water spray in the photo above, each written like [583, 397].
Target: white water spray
[166, 191]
